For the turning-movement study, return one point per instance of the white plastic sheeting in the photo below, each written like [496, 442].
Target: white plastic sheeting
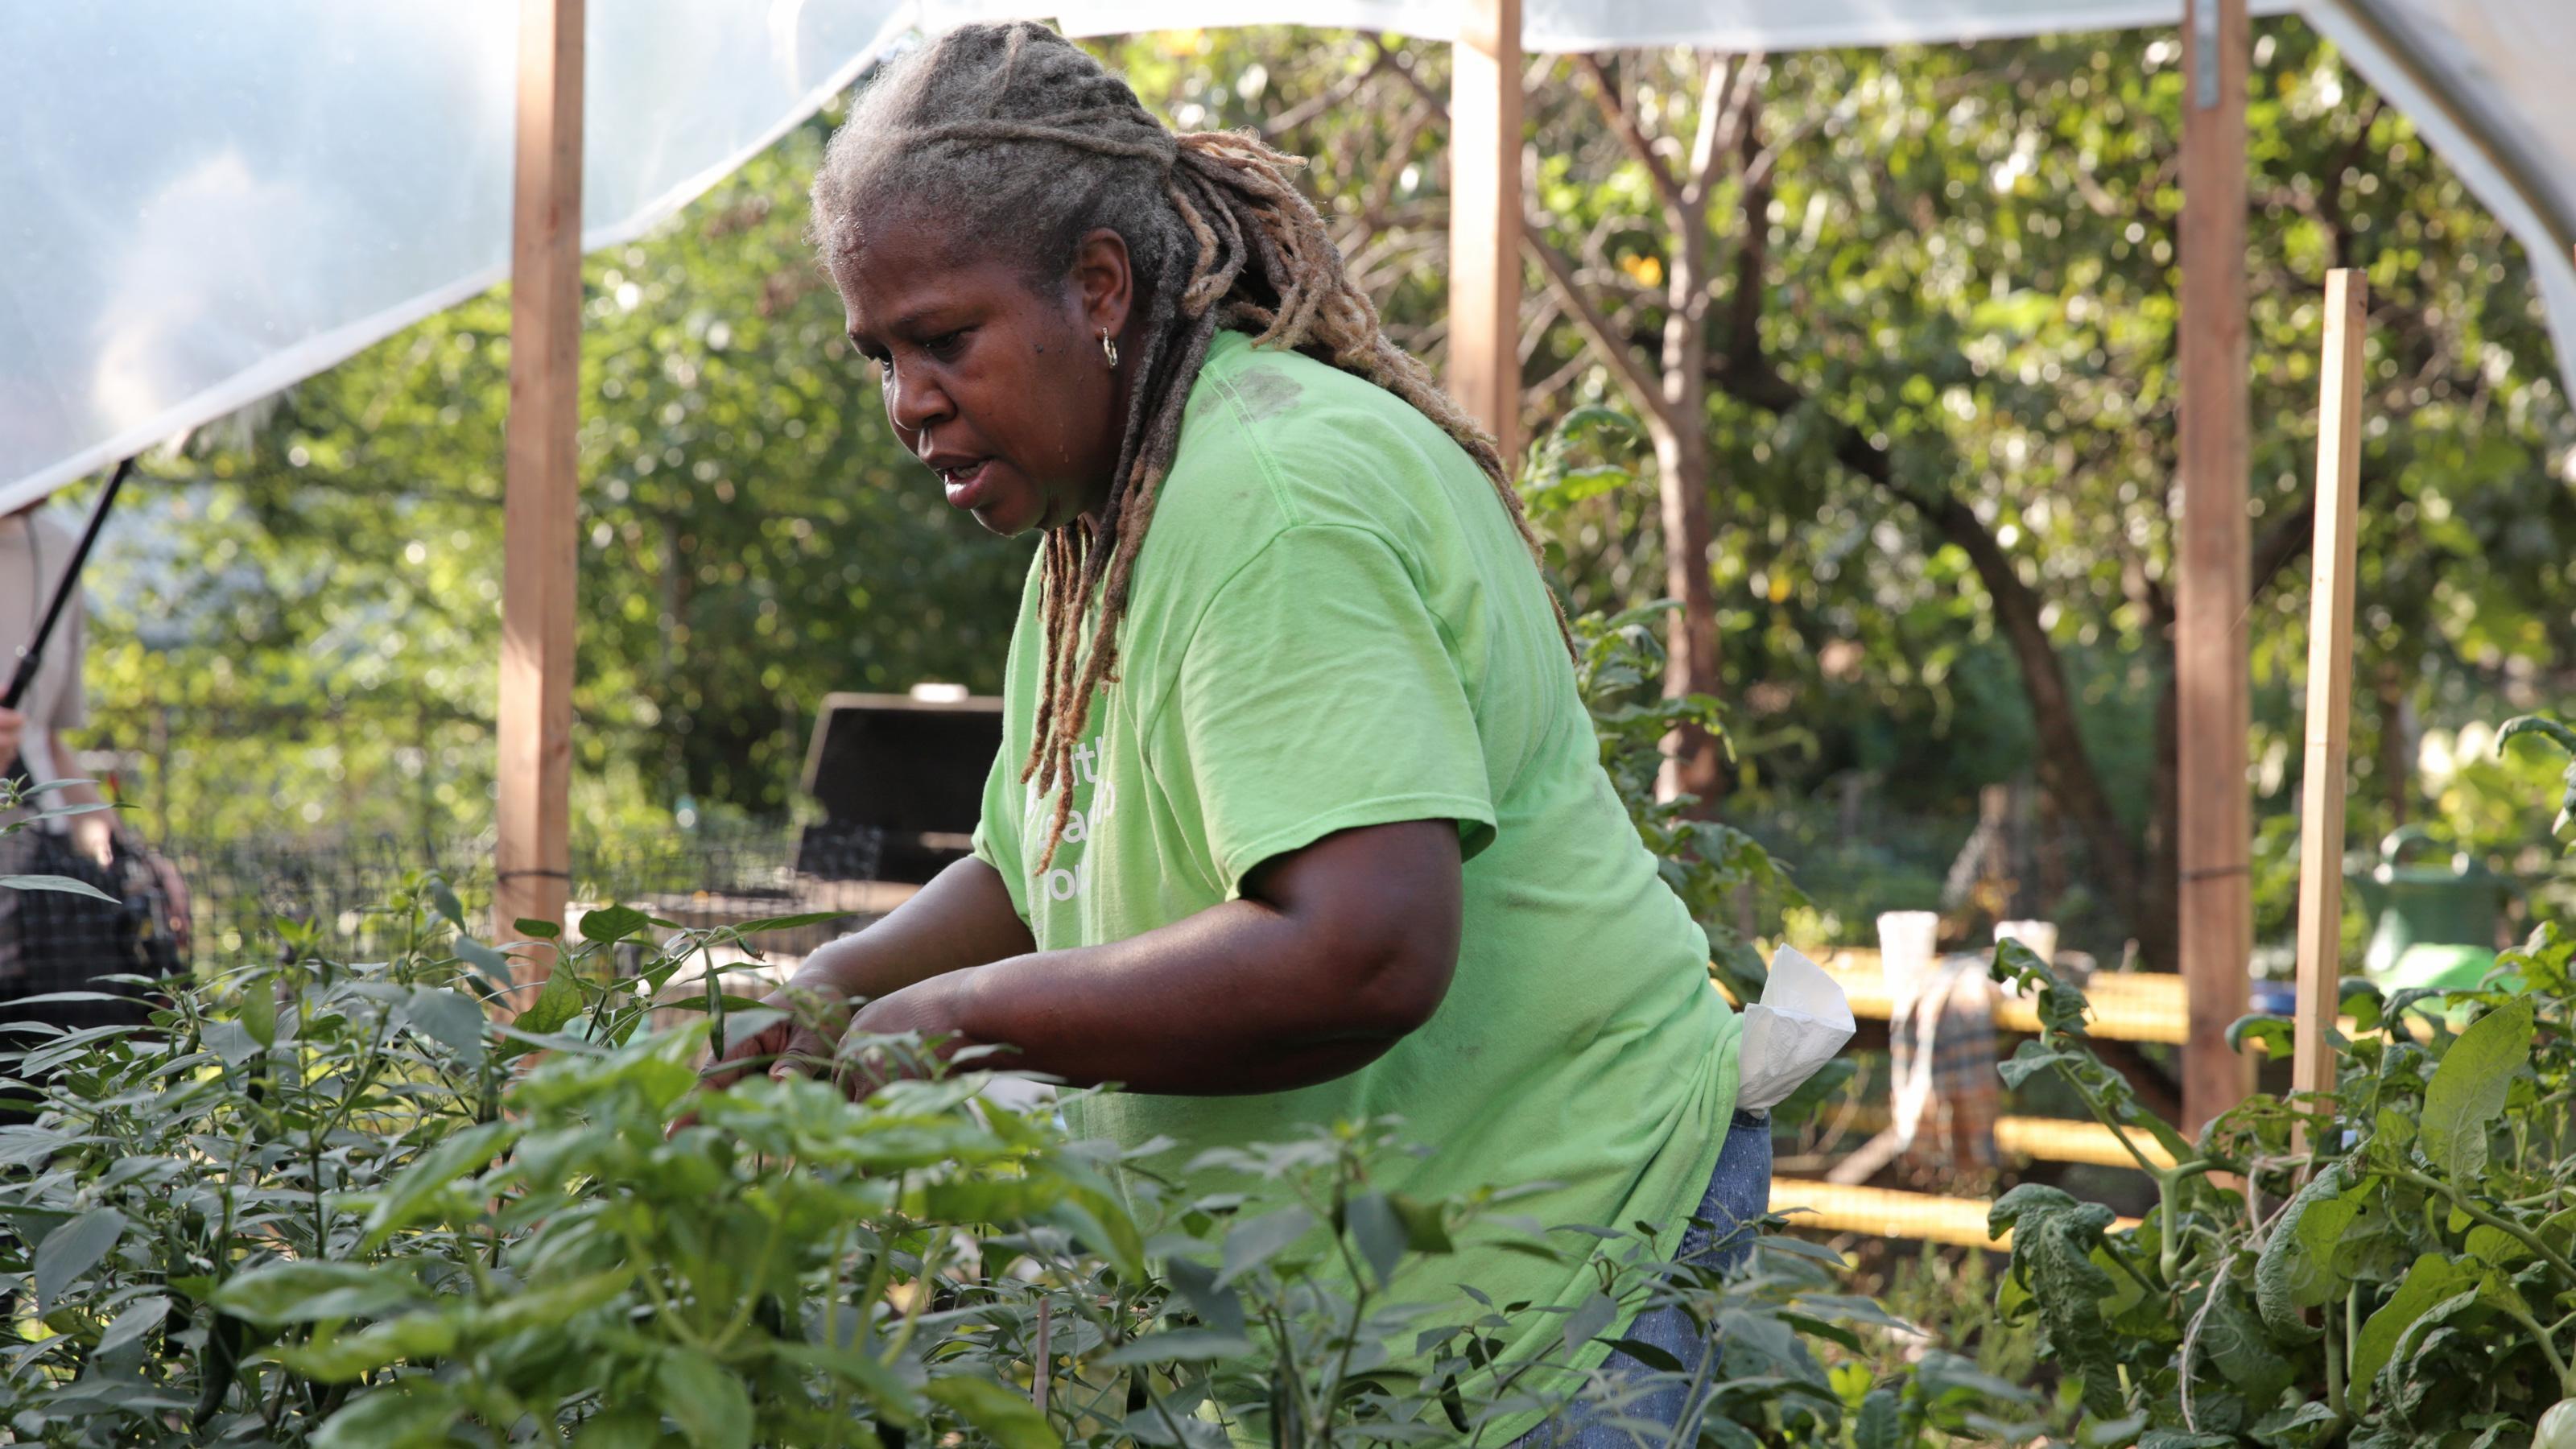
[2488, 84]
[202, 201]
[1571, 25]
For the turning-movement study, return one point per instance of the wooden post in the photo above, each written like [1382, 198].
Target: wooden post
[539, 514]
[2210, 665]
[1485, 217]
[2312, 1065]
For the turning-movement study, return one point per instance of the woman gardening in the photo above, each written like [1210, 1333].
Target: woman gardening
[1298, 817]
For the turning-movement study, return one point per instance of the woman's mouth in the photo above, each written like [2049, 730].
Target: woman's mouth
[965, 483]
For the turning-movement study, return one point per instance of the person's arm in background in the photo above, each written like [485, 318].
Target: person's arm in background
[89, 832]
[93, 831]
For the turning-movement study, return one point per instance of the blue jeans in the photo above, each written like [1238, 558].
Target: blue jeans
[1739, 1193]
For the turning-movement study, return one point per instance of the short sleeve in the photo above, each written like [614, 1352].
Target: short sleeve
[1317, 694]
[996, 840]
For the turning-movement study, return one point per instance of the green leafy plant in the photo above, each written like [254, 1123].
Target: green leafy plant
[342, 1203]
[2385, 1264]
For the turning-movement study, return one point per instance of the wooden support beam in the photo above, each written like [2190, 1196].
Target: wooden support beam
[2339, 374]
[539, 547]
[2210, 665]
[1485, 217]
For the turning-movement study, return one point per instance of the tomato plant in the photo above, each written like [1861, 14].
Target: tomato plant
[2385, 1264]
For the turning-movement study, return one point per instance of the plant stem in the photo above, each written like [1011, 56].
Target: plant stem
[2122, 1264]
[741, 1315]
[2334, 1366]
[1698, 1386]
[2548, 1350]
[2474, 1213]
[2168, 1194]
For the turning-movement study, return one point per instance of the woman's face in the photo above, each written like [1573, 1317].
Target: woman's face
[998, 387]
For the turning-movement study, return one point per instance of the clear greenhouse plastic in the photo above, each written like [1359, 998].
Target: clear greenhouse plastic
[202, 201]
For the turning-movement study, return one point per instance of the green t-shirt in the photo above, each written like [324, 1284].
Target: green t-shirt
[1332, 624]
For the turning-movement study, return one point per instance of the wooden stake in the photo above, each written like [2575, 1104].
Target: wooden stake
[1485, 217]
[539, 512]
[2312, 1064]
[2210, 665]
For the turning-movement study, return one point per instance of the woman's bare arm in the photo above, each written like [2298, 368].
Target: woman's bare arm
[1333, 954]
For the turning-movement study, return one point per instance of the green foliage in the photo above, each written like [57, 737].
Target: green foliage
[2565, 739]
[2403, 1278]
[339, 1203]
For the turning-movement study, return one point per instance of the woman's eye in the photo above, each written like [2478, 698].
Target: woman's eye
[945, 344]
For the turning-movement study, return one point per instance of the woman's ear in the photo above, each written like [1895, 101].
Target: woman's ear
[1104, 286]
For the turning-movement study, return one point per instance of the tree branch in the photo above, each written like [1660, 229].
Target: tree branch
[1325, 99]
[1395, 62]
[1752, 248]
[1704, 151]
[1624, 122]
[2065, 767]
[1635, 378]
[1737, 124]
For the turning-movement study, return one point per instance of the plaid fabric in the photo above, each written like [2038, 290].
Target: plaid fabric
[1942, 1046]
[52, 941]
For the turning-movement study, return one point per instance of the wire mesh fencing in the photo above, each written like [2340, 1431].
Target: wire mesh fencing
[1854, 864]
[241, 889]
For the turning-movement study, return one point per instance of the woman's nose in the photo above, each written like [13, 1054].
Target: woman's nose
[915, 402]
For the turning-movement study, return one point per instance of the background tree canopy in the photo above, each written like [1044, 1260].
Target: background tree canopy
[1933, 386]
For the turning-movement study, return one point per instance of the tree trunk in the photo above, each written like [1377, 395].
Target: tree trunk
[2396, 742]
[2065, 767]
[1694, 760]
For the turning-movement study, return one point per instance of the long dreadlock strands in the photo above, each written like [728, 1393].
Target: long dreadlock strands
[1016, 133]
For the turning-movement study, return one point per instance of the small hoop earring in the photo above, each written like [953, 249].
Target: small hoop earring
[1108, 348]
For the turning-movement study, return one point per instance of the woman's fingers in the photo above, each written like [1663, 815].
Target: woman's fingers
[748, 1053]
[804, 1051]
[800, 1039]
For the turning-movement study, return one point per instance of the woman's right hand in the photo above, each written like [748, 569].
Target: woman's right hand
[803, 1038]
